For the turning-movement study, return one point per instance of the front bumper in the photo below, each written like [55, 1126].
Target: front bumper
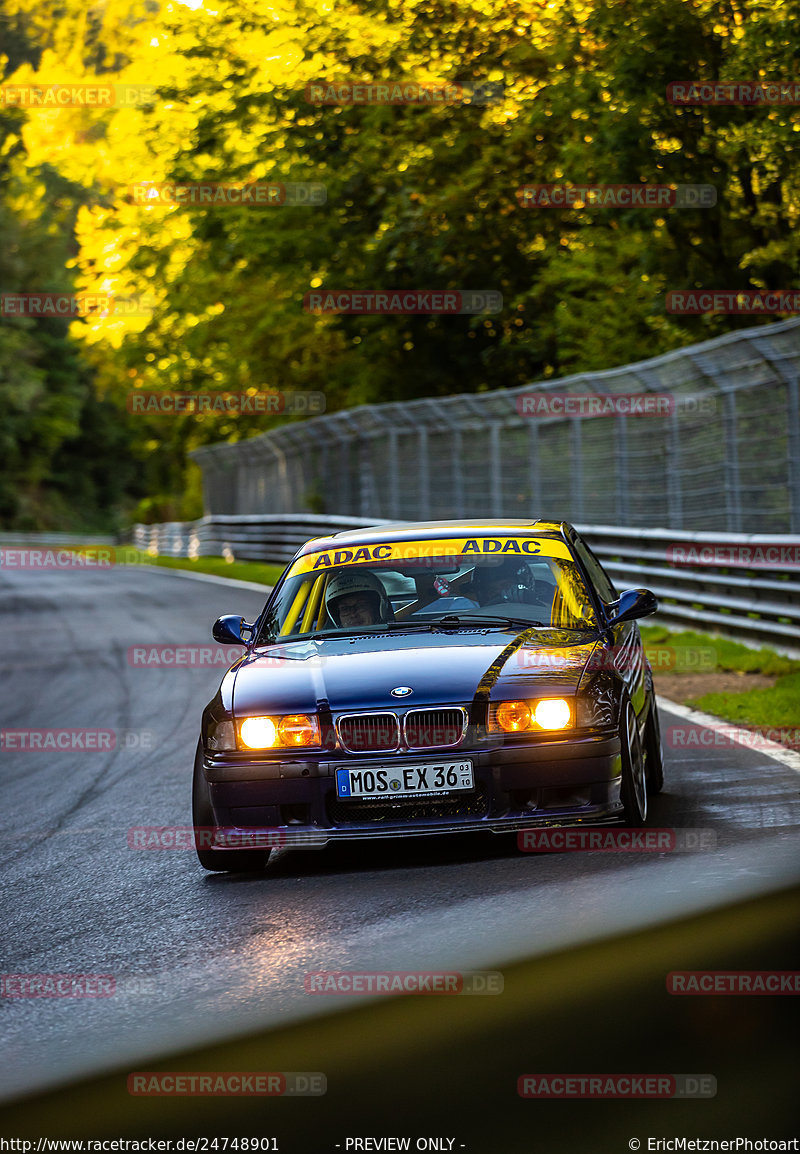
[517, 786]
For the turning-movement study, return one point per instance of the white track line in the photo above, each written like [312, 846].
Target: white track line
[265, 589]
[734, 733]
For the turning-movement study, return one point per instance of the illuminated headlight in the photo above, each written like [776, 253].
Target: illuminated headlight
[550, 713]
[291, 731]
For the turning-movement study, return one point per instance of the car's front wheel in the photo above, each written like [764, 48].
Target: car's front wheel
[234, 860]
[653, 753]
[634, 782]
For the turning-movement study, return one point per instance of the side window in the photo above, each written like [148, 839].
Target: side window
[597, 574]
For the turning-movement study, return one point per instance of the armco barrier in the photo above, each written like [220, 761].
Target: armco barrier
[756, 604]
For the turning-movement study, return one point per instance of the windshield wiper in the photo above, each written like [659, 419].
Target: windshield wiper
[370, 630]
[488, 618]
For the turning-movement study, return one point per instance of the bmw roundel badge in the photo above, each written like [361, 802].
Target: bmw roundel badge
[402, 691]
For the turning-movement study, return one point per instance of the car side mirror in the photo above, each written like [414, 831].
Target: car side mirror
[631, 605]
[229, 629]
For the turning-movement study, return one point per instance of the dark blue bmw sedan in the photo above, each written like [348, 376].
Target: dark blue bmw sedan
[429, 678]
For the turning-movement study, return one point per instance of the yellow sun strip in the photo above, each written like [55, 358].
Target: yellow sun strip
[464, 548]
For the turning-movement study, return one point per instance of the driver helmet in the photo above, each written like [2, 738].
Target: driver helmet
[343, 584]
[509, 581]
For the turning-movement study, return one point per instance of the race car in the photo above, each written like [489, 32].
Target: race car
[429, 678]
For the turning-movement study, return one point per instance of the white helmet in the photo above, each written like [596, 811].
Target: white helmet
[357, 581]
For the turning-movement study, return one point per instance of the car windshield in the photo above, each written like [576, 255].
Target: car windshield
[385, 584]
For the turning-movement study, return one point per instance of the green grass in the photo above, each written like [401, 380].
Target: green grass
[730, 656]
[778, 706]
[257, 571]
[260, 572]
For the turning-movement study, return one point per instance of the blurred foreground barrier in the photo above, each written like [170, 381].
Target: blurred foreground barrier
[450, 1067]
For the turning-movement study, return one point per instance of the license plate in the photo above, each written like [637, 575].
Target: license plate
[405, 780]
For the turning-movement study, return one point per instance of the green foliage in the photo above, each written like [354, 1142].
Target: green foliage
[417, 197]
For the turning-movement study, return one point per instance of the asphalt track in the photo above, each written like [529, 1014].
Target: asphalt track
[198, 957]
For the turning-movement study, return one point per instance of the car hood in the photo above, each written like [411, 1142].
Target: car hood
[440, 668]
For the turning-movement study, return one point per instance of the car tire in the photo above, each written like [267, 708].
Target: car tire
[232, 861]
[634, 781]
[653, 751]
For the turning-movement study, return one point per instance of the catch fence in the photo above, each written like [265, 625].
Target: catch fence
[719, 450]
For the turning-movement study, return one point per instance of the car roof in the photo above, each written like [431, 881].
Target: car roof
[424, 530]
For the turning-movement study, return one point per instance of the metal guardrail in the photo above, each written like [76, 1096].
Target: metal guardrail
[272, 538]
[754, 603]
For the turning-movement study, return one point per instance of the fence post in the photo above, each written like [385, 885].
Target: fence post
[793, 447]
[458, 476]
[623, 472]
[393, 478]
[495, 471]
[733, 506]
[576, 463]
[424, 476]
[673, 467]
[534, 470]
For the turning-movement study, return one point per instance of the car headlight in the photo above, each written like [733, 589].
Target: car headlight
[552, 713]
[549, 713]
[290, 731]
[221, 735]
[513, 716]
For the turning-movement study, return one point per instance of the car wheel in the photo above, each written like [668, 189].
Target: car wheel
[653, 753]
[634, 785]
[234, 861]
